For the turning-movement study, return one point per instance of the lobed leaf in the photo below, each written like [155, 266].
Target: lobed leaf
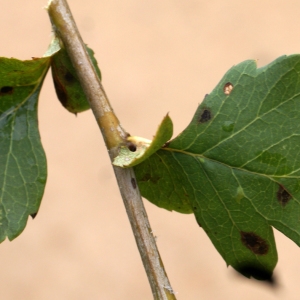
[237, 165]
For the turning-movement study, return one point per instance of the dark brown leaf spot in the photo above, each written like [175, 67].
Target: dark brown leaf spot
[228, 87]
[33, 215]
[205, 116]
[254, 243]
[133, 183]
[69, 78]
[283, 196]
[6, 90]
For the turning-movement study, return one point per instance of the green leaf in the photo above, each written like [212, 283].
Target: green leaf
[67, 86]
[138, 149]
[23, 169]
[237, 164]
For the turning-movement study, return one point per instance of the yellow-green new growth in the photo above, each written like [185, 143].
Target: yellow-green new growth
[138, 149]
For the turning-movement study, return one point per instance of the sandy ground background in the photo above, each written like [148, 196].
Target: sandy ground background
[156, 57]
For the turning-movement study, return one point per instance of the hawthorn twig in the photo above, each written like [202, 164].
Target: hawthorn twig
[114, 136]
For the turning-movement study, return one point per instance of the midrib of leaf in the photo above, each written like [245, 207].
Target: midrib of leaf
[271, 177]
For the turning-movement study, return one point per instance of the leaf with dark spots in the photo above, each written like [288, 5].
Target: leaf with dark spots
[66, 82]
[283, 196]
[205, 116]
[5, 90]
[254, 243]
[23, 169]
[69, 78]
[239, 162]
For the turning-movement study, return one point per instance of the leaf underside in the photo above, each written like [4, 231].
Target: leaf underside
[23, 169]
[237, 165]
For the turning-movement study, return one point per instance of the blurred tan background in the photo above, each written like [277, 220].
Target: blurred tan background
[155, 57]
